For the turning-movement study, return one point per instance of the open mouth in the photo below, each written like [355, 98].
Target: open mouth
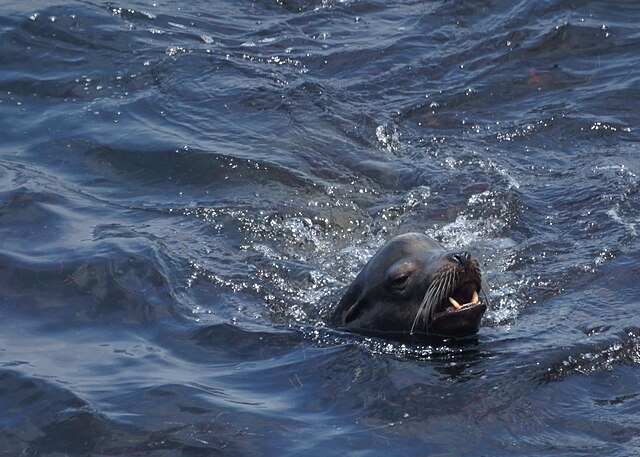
[452, 312]
[462, 298]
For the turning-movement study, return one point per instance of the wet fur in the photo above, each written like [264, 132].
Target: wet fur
[372, 304]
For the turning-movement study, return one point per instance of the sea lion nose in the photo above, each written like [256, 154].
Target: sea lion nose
[462, 258]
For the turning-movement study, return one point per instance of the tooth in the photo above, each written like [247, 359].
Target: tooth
[475, 298]
[455, 304]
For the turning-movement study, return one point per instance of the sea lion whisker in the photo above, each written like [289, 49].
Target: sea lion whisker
[432, 297]
[417, 317]
[446, 286]
[450, 283]
[443, 284]
[436, 296]
[423, 305]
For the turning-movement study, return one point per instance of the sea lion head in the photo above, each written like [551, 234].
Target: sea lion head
[413, 286]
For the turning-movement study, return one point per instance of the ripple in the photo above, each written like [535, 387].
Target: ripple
[601, 357]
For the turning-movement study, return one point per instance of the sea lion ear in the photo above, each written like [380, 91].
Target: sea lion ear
[353, 311]
[350, 305]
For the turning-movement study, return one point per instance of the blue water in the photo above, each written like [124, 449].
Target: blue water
[187, 186]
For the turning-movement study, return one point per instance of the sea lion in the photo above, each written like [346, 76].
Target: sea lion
[413, 286]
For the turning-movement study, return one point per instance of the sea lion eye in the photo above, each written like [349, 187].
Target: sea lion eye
[399, 281]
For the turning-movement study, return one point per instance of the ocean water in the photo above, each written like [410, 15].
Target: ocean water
[187, 186]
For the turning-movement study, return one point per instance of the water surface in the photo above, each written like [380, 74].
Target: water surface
[186, 187]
